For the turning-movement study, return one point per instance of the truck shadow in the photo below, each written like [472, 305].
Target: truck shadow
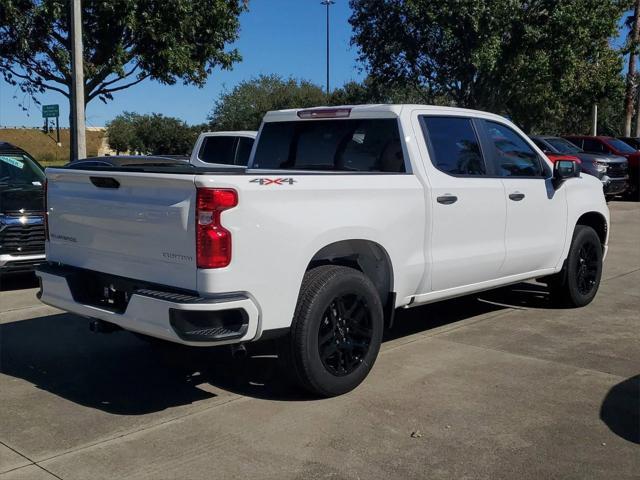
[17, 281]
[620, 409]
[121, 374]
[116, 373]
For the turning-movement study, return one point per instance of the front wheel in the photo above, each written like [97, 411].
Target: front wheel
[336, 331]
[578, 283]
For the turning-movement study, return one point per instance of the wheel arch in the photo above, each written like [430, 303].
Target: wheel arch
[369, 257]
[598, 222]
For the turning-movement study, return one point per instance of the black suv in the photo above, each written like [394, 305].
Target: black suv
[21, 210]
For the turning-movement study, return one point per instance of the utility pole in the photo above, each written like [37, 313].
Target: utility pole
[638, 107]
[594, 111]
[633, 47]
[328, 3]
[78, 143]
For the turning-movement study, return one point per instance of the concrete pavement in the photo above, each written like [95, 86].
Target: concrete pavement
[497, 385]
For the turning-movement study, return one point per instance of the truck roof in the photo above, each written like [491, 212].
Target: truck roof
[375, 111]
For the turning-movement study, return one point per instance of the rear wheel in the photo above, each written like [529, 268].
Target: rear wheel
[336, 332]
[578, 283]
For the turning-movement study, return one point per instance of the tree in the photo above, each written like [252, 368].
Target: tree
[120, 133]
[371, 91]
[125, 42]
[519, 58]
[152, 134]
[243, 107]
[633, 40]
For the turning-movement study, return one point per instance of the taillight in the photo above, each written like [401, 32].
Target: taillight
[46, 212]
[213, 241]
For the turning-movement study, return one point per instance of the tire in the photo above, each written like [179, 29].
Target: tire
[577, 284]
[336, 332]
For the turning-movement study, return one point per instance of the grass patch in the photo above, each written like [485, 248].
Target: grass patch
[43, 147]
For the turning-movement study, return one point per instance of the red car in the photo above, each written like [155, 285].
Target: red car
[615, 146]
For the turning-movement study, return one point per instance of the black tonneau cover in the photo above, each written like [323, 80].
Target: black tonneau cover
[185, 168]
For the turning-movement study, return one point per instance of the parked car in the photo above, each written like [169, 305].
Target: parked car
[21, 210]
[613, 146]
[612, 170]
[130, 161]
[223, 148]
[343, 215]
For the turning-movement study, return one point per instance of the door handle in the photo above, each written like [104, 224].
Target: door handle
[516, 196]
[447, 199]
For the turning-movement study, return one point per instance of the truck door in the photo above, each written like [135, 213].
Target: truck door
[468, 207]
[536, 211]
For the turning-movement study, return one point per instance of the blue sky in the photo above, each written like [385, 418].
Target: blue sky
[277, 36]
[286, 37]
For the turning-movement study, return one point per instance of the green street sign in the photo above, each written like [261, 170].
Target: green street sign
[49, 111]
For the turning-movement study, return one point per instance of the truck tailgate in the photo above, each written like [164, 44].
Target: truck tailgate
[138, 225]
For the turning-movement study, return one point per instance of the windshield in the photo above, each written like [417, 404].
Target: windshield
[18, 169]
[620, 146]
[563, 146]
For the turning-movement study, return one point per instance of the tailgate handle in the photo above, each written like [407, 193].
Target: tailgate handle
[105, 182]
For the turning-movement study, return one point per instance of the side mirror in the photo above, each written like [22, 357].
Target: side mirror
[563, 170]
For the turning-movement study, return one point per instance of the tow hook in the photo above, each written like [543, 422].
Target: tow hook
[238, 351]
[100, 326]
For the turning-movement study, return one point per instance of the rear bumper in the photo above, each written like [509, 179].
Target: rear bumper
[177, 318]
[20, 263]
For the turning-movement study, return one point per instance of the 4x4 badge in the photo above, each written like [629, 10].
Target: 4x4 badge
[273, 181]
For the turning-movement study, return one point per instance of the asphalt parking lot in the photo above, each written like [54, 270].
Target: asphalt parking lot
[498, 385]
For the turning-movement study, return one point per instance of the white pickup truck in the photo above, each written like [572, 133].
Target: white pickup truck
[343, 215]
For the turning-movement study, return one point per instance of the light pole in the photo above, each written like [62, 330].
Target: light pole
[328, 3]
[78, 144]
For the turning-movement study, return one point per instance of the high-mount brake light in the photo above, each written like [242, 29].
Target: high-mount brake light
[325, 113]
[213, 241]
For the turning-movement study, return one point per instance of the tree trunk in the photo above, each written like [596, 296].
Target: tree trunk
[633, 45]
[637, 110]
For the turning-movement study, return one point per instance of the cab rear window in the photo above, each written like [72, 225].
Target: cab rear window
[367, 145]
[218, 149]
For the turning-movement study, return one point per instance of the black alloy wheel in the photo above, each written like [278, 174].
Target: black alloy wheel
[587, 268]
[577, 284]
[345, 334]
[336, 331]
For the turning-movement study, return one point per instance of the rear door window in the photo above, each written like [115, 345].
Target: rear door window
[218, 149]
[367, 145]
[453, 145]
[513, 156]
